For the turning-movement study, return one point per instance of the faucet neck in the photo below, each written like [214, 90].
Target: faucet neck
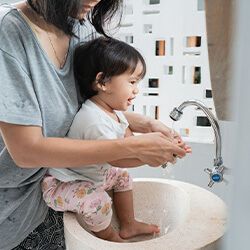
[214, 123]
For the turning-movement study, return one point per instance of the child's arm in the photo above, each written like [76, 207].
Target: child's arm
[128, 132]
[127, 163]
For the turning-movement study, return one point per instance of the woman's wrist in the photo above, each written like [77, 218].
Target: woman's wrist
[128, 146]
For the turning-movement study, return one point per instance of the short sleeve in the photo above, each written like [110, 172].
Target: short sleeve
[18, 101]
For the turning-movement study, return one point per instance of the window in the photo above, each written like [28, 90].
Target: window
[168, 70]
[128, 9]
[200, 5]
[202, 121]
[193, 41]
[196, 75]
[129, 39]
[153, 83]
[148, 28]
[184, 74]
[208, 93]
[154, 2]
[154, 112]
[160, 48]
[171, 46]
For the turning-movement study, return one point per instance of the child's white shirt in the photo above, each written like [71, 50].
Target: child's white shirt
[91, 123]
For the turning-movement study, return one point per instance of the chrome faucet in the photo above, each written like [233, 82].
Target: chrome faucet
[216, 173]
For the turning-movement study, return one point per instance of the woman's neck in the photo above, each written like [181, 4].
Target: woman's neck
[53, 40]
[38, 20]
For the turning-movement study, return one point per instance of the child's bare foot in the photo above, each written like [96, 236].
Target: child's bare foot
[137, 228]
[109, 234]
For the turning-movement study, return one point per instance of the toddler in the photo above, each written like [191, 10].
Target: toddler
[107, 72]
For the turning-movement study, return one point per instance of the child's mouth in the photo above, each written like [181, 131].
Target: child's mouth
[130, 101]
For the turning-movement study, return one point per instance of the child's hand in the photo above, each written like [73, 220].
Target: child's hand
[178, 140]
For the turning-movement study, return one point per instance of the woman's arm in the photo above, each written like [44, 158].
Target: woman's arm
[30, 149]
[127, 163]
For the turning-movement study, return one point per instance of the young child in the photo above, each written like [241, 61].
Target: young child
[107, 72]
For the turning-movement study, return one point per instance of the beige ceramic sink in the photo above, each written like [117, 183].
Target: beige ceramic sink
[190, 217]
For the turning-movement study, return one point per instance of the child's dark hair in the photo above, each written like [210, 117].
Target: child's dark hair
[107, 55]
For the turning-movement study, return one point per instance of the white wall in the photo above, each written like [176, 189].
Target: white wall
[172, 21]
[238, 236]
[8, 1]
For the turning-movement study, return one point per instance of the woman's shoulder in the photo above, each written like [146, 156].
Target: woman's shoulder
[15, 36]
[5, 9]
[8, 17]
[12, 27]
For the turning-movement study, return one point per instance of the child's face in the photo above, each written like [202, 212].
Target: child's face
[122, 89]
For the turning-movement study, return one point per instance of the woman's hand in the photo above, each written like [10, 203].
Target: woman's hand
[155, 148]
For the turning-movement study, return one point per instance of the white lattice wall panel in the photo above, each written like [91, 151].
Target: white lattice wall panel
[171, 35]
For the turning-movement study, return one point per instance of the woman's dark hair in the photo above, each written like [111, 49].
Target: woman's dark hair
[107, 55]
[57, 12]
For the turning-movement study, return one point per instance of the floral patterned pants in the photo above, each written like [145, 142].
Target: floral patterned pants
[85, 198]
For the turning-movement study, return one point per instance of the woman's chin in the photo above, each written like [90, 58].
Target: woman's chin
[82, 16]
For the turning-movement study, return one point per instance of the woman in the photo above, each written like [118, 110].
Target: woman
[38, 101]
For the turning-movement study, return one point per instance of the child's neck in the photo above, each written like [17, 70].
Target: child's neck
[105, 107]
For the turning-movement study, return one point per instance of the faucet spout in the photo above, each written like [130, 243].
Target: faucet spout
[216, 175]
[177, 113]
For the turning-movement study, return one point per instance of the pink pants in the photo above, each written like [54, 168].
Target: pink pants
[84, 198]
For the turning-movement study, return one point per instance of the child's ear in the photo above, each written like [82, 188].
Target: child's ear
[99, 77]
[101, 82]
[100, 85]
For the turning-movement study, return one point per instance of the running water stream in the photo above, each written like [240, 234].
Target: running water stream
[167, 172]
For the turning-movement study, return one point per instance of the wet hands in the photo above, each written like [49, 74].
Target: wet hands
[179, 142]
[166, 145]
[158, 126]
[156, 149]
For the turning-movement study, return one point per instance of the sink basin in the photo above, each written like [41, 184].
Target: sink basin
[189, 217]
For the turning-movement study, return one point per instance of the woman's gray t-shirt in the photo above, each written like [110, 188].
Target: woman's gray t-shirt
[32, 92]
